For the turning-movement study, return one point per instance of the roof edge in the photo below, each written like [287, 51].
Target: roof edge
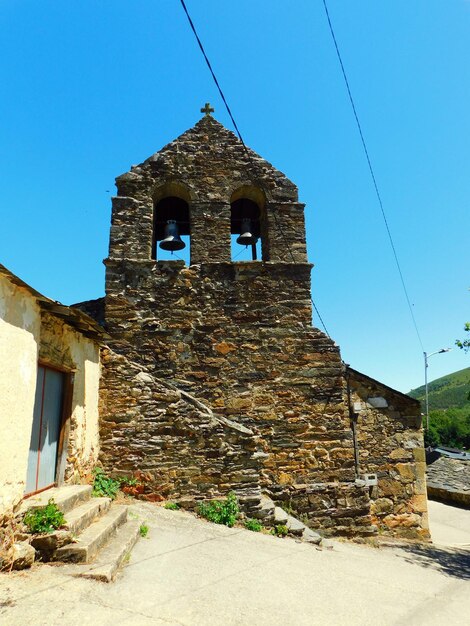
[74, 317]
[381, 384]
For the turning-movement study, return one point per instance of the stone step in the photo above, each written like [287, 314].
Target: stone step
[310, 536]
[66, 498]
[93, 537]
[110, 558]
[82, 516]
[295, 527]
[280, 516]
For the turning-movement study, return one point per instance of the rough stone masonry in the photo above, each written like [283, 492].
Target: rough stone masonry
[238, 337]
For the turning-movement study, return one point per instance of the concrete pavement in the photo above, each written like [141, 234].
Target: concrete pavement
[190, 572]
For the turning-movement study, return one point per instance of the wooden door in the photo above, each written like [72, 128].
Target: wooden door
[47, 418]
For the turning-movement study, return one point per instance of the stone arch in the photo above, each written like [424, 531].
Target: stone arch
[248, 207]
[255, 194]
[171, 202]
[172, 188]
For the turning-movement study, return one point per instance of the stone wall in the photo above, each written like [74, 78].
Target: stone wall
[390, 445]
[172, 442]
[93, 308]
[238, 336]
[335, 508]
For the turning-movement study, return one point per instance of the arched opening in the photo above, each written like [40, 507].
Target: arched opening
[171, 230]
[247, 224]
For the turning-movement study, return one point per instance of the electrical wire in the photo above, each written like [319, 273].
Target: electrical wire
[374, 180]
[212, 72]
[201, 47]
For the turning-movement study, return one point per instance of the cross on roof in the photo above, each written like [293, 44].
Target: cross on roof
[207, 109]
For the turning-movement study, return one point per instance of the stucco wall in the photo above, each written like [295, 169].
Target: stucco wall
[19, 335]
[28, 335]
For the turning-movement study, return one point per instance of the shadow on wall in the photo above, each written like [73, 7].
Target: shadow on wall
[454, 562]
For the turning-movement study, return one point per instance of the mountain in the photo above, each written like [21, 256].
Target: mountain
[447, 392]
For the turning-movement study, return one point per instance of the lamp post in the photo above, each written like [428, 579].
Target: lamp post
[426, 357]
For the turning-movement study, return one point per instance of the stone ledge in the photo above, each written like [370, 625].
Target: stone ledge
[448, 494]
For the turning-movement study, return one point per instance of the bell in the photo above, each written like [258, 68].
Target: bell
[172, 239]
[246, 238]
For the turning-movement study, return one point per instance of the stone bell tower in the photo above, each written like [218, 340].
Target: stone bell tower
[236, 334]
[237, 389]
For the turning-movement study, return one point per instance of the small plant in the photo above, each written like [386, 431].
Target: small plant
[143, 530]
[132, 486]
[131, 482]
[254, 525]
[221, 511]
[104, 485]
[172, 506]
[280, 530]
[45, 519]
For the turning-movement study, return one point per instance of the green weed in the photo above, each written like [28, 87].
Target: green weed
[45, 519]
[104, 485]
[221, 511]
[254, 525]
[280, 530]
[131, 482]
[171, 506]
[143, 530]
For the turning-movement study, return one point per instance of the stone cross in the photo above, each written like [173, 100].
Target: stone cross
[207, 109]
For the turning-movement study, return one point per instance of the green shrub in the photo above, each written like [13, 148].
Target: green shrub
[172, 506]
[254, 525]
[143, 530]
[280, 530]
[221, 511]
[45, 519]
[104, 485]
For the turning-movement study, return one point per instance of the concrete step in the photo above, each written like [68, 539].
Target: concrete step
[82, 516]
[93, 537]
[66, 498]
[110, 558]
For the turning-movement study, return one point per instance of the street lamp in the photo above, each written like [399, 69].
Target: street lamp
[426, 357]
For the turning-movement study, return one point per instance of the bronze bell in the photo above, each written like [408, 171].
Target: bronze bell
[172, 240]
[246, 238]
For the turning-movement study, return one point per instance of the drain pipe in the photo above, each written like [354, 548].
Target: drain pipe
[353, 417]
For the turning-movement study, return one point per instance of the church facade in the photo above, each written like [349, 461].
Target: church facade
[215, 378]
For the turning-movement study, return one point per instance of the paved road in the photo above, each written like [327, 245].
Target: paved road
[450, 526]
[192, 573]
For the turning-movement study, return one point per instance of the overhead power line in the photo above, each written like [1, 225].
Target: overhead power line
[193, 28]
[201, 47]
[374, 180]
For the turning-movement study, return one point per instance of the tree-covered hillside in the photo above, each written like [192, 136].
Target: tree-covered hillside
[450, 391]
[449, 410]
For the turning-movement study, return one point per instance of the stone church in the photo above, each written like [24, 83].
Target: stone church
[215, 378]
[203, 377]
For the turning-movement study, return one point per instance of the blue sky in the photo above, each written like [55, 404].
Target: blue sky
[89, 88]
